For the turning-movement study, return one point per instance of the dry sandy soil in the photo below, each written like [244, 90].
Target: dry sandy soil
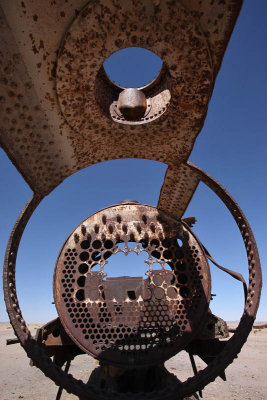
[246, 377]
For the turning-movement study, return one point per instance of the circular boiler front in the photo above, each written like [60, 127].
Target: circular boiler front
[128, 320]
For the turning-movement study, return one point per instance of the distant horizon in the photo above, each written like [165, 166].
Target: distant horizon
[44, 323]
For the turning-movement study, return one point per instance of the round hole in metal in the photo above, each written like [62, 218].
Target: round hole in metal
[133, 67]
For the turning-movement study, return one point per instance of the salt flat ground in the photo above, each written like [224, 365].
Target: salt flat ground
[246, 377]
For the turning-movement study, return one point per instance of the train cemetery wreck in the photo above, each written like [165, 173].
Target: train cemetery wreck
[62, 113]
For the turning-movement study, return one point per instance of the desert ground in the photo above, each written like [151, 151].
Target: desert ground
[246, 377]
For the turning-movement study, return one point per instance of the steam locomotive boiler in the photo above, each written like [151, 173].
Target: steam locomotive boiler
[62, 113]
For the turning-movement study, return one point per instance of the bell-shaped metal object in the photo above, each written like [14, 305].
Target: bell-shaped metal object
[132, 103]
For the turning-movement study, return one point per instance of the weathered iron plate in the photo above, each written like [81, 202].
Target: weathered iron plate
[130, 320]
[171, 32]
[34, 132]
[177, 190]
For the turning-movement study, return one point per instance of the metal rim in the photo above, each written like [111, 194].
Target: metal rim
[179, 391]
[186, 298]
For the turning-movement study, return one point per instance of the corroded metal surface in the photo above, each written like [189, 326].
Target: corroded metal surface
[157, 92]
[178, 41]
[214, 328]
[131, 320]
[34, 132]
[255, 282]
[260, 326]
[25, 133]
[56, 343]
[177, 190]
[176, 391]
[214, 18]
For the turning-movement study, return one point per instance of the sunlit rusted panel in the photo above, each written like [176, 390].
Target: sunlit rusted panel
[216, 19]
[26, 133]
[177, 190]
[55, 122]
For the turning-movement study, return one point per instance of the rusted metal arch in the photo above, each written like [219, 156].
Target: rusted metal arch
[179, 186]
[190, 386]
[39, 131]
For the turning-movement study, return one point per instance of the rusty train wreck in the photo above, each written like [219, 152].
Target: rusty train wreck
[62, 113]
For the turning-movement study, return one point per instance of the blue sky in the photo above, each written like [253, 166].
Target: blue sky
[231, 147]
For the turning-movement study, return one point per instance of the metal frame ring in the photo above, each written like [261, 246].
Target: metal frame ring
[178, 391]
